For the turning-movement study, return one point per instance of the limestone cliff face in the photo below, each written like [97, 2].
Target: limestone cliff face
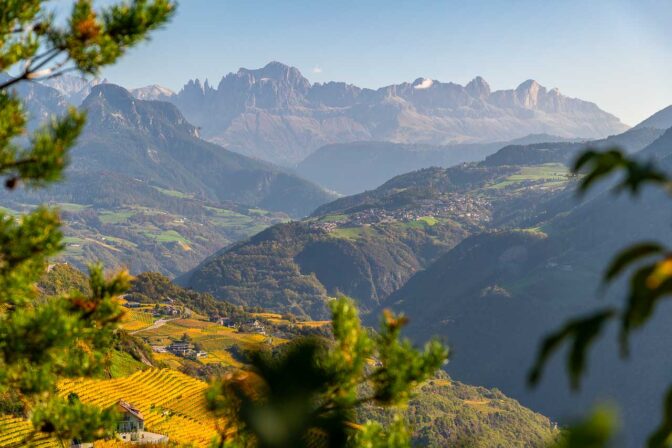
[274, 113]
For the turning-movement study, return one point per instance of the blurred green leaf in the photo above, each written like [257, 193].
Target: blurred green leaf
[662, 436]
[579, 334]
[597, 165]
[596, 431]
[629, 256]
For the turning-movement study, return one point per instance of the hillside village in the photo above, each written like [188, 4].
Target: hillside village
[468, 209]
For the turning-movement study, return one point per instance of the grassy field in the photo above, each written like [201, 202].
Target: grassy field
[258, 212]
[229, 218]
[70, 207]
[174, 193]
[429, 220]
[115, 217]
[348, 233]
[334, 218]
[168, 236]
[555, 173]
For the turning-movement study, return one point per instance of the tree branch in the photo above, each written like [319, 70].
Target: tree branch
[31, 70]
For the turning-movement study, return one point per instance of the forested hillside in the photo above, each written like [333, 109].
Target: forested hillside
[368, 245]
[497, 294]
[144, 191]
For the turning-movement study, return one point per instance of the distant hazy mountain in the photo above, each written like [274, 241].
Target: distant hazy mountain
[153, 92]
[73, 88]
[350, 168]
[660, 120]
[630, 141]
[276, 114]
[41, 101]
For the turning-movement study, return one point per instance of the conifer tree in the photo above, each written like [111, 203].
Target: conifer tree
[42, 341]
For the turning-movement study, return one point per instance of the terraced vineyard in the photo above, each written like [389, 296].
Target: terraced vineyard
[278, 319]
[215, 339]
[171, 402]
[136, 320]
[13, 432]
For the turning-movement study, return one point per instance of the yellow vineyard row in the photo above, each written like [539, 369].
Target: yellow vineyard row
[15, 431]
[171, 402]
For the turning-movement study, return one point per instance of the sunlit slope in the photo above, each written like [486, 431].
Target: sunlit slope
[171, 402]
[218, 341]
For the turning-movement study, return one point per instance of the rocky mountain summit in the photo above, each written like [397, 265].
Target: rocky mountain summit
[74, 89]
[154, 92]
[275, 113]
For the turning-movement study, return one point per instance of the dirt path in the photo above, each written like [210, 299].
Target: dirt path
[154, 326]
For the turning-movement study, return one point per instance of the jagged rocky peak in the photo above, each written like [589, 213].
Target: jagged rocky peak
[277, 70]
[192, 94]
[112, 105]
[273, 86]
[274, 113]
[528, 93]
[114, 96]
[478, 88]
[193, 85]
[274, 72]
[73, 88]
[334, 94]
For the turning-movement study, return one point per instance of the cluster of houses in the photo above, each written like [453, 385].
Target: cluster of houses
[455, 206]
[246, 325]
[167, 308]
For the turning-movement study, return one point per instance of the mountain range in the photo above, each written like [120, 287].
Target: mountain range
[276, 114]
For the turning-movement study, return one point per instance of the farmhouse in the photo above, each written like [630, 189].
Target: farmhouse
[180, 348]
[131, 418]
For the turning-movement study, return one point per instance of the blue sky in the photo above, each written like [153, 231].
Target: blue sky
[615, 53]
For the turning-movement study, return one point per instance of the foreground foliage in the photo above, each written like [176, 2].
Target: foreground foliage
[42, 341]
[307, 395]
